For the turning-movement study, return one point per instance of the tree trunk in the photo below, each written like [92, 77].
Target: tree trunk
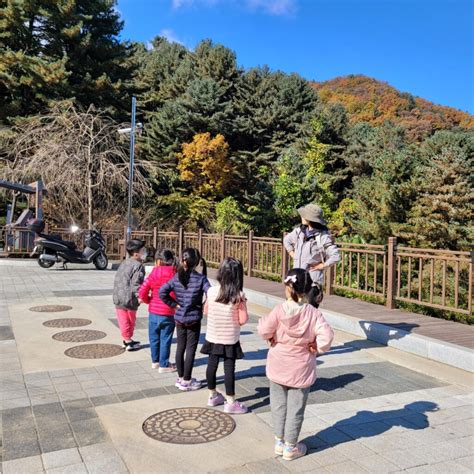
[89, 202]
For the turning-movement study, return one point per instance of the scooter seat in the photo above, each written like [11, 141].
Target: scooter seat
[57, 238]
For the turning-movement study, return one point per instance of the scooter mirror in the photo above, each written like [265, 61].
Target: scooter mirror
[74, 228]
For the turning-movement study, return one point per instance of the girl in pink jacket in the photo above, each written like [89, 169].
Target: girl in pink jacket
[296, 331]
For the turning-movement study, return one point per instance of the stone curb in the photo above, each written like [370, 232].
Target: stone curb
[429, 348]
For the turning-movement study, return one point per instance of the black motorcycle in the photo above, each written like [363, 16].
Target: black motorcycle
[52, 249]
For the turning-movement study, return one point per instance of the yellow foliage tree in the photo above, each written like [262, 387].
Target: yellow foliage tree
[205, 165]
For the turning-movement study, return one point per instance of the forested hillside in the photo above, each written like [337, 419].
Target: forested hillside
[228, 148]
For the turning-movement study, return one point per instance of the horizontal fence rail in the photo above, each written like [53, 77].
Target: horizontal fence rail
[436, 278]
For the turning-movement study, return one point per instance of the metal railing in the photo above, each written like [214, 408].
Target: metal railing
[441, 279]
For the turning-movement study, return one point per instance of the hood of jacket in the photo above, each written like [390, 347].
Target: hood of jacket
[294, 321]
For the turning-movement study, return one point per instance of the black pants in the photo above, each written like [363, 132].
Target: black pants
[187, 342]
[229, 374]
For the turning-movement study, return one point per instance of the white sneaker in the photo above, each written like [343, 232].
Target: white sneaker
[294, 452]
[155, 365]
[165, 370]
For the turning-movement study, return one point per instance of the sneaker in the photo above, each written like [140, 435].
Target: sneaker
[193, 384]
[170, 368]
[216, 400]
[155, 365]
[235, 408]
[177, 384]
[132, 345]
[294, 452]
[279, 447]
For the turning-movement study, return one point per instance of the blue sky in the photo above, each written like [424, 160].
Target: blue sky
[420, 46]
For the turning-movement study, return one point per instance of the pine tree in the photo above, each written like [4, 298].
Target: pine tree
[382, 199]
[61, 50]
[442, 215]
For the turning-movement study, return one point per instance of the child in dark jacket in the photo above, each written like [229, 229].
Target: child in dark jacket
[128, 280]
[189, 287]
[160, 319]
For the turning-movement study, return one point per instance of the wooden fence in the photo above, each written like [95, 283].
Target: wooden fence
[441, 279]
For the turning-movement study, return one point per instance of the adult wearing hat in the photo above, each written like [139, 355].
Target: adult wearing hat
[311, 245]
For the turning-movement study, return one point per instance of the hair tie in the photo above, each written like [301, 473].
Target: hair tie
[291, 278]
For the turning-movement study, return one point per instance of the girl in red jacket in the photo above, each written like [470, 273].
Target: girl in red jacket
[161, 317]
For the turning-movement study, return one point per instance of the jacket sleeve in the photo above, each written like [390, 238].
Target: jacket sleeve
[290, 240]
[324, 335]
[165, 294]
[243, 313]
[137, 277]
[205, 285]
[144, 291]
[331, 251]
[267, 325]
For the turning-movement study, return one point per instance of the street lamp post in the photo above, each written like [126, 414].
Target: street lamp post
[131, 131]
[131, 169]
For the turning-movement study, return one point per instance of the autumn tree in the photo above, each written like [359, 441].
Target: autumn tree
[204, 164]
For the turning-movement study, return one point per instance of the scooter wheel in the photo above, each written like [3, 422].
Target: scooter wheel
[101, 261]
[45, 263]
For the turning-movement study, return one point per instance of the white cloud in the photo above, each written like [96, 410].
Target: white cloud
[273, 7]
[170, 35]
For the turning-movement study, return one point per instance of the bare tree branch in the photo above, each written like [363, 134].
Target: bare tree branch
[82, 161]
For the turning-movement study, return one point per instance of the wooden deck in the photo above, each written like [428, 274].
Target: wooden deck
[447, 331]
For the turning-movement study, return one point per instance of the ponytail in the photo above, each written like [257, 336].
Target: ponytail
[301, 287]
[189, 261]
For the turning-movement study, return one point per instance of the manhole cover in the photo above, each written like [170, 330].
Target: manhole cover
[94, 351]
[79, 335]
[188, 425]
[67, 323]
[51, 308]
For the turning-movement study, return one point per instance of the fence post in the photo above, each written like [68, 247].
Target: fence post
[250, 254]
[391, 275]
[200, 243]
[180, 241]
[284, 258]
[155, 238]
[223, 245]
[329, 280]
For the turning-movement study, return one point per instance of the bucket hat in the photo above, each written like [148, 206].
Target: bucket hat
[312, 213]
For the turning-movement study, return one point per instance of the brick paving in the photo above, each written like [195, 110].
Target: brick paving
[365, 413]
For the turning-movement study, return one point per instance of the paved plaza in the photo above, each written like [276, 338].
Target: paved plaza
[372, 409]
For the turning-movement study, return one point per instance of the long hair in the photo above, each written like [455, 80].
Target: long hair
[301, 286]
[231, 279]
[190, 259]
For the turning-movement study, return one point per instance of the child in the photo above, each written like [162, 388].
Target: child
[296, 330]
[160, 320]
[189, 287]
[226, 311]
[127, 281]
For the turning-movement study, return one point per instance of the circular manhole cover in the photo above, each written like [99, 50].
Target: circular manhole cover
[94, 351]
[50, 308]
[188, 425]
[79, 335]
[67, 323]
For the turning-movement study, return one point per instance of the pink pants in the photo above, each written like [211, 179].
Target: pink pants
[126, 321]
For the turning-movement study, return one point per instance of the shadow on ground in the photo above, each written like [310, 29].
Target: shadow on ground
[367, 424]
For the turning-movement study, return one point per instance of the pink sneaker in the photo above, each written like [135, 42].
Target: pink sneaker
[216, 400]
[193, 384]
[165, 370]
[235, 408]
